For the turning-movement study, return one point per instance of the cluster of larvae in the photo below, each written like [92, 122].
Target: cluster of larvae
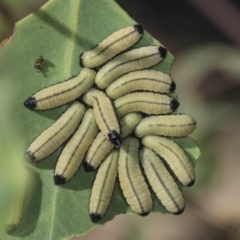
[118, 122]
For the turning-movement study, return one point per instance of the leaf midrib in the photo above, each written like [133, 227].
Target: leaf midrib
[69, 56]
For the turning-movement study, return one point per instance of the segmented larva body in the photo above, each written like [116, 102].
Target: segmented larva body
[49, 140]
[131, 179]
[137, 91]
[19, 197]
[103, 186]
[129, 61]
[142, 80]
[173, 156]
[162, 182]
[102, 146]
[105, 115]
[145, 102]
[62, 93]
[74, 151]
[129, 122]
[114, 44]
[169, 125]
[89, 96]
[106, 118]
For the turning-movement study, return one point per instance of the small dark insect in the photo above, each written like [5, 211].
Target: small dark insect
[38, 64]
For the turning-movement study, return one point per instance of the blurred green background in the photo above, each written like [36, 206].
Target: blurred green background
[204, 37]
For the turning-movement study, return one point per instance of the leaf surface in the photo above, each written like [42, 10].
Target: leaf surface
[59, 32]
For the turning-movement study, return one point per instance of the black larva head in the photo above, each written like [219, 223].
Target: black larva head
[30, 103]
[162, 51]
[95, 217]
[31, 156]
[172, 86]
[87, 167]
[179, 212]
[144, 214]
[191, 183]
[174, 104]
[139, 28]
[59, 179]
[80, 60]
[115, 138]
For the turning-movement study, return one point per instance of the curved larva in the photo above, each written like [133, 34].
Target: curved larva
[173, 156]
[74, 151]
[129, 122]
[49, 140]
[145, 102]
[103, 186]
[168, 125]
[89, 96]
[106, 118]
[101, 146]
[114, 44]
[15, 214]
[61, 93]
[143, 80]
[135, 59]
[131, 179]
[162, 182]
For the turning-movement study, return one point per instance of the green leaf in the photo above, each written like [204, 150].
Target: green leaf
[59, 32]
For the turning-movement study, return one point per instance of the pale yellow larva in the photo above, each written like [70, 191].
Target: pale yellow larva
[102, 146]
[49, 140]
[173, 156]
[131, 179]
[133, 60]
[114, 44]
[18, 200]
[169, 125]
[89, 96]
[15, 215]
[103, 186]
[106, 118]
[142, 80]
[145, 102]
[61, 93]
[74, 151]
[162, 182]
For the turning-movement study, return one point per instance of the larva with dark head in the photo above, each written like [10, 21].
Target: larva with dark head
[142, 80]
[173, 156]
[103, 186]
[145, 102]
[61, 93]
[133, 60]
[49, 140]
[162, 182]
[114, 44]
[105, 115]
[106, 118]
[131, 179]
[74, 151]
[102, 146]
[169, 125]
[17, 203]
[15, 215]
